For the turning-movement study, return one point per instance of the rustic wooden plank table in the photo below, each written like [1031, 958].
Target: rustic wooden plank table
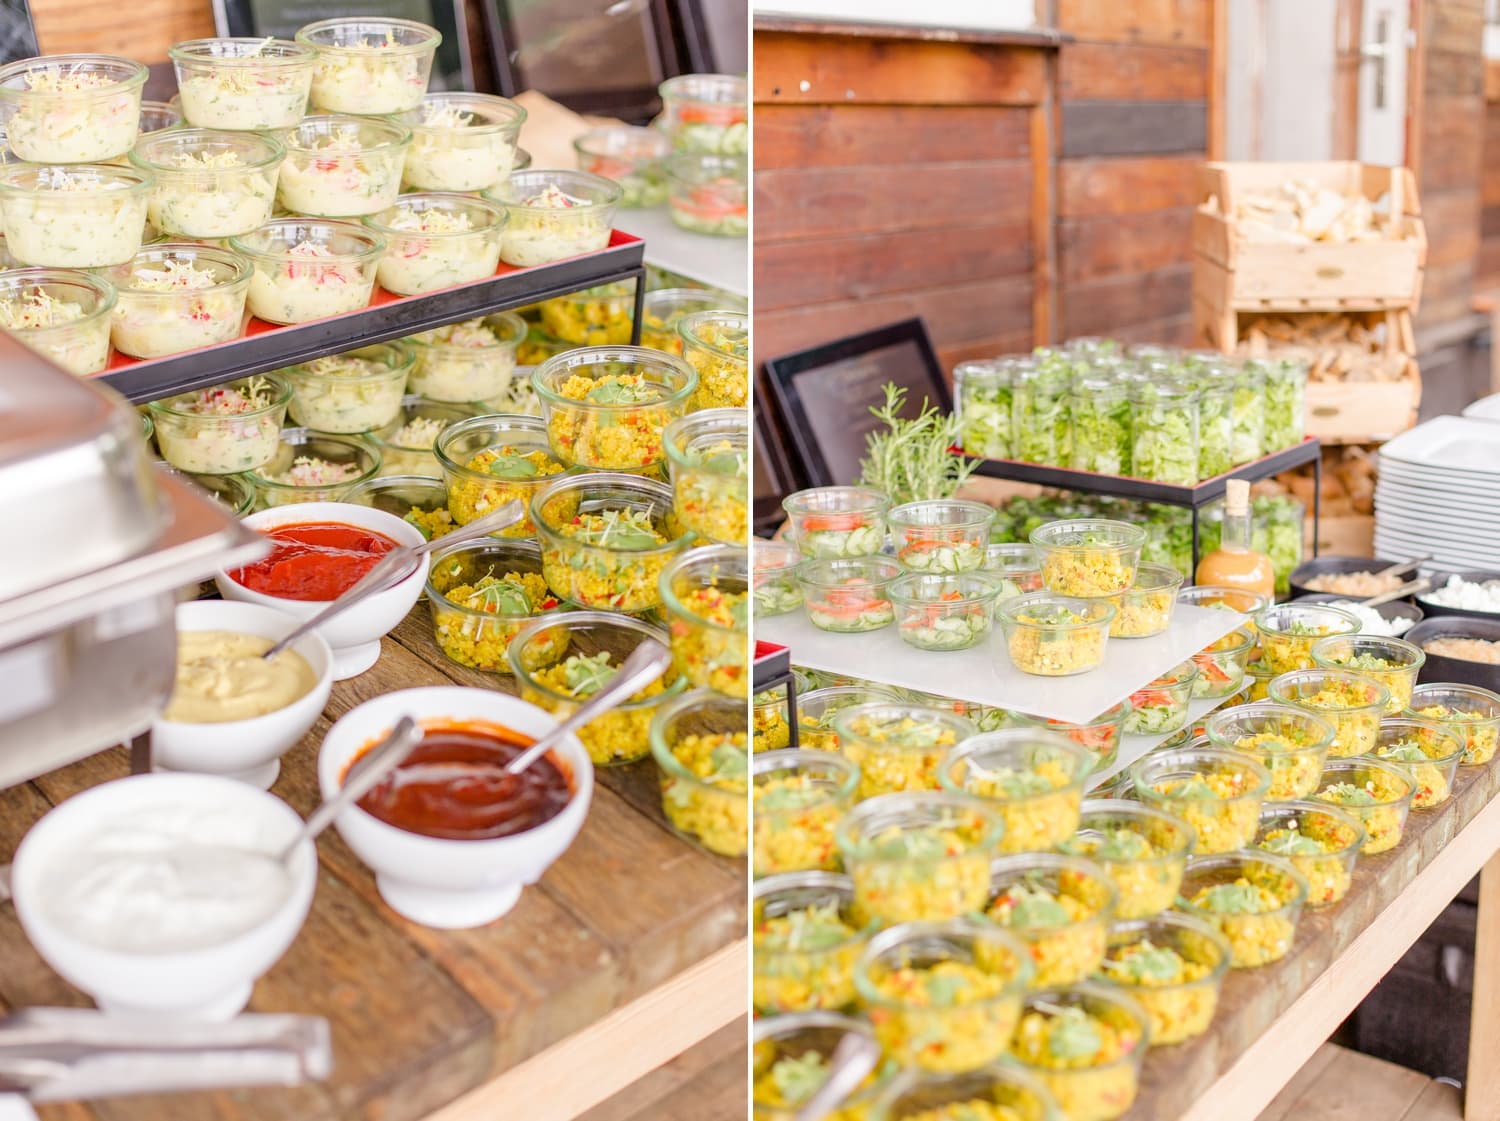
[1272, 1020]
[631, 949]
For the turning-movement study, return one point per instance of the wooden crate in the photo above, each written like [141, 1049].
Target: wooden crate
[1230, 273]
[1359, 412]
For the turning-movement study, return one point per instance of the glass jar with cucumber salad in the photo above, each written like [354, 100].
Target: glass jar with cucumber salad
[709, 194]
[1162, 706]
[941, 535]
[935, 611]
[630, 155]
[829, 522]
[706, 113]
[982, 391]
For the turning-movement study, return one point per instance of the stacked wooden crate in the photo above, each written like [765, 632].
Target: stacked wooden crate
[1332, 279]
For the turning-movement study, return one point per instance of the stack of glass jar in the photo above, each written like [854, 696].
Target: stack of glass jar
[1151, 412]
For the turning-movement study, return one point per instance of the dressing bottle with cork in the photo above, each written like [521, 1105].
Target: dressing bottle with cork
[1234, 564]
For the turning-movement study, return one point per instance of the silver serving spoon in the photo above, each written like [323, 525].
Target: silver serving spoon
[1411, 588]
[395, 565]
[363, 776]
[646, 663]
[849, 1065]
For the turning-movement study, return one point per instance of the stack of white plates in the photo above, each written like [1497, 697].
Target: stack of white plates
[1439, 493]
[1486, 408]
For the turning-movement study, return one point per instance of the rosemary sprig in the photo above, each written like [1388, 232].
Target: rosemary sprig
[910, 460]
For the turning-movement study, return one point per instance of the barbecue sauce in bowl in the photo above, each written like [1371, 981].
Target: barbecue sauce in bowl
[453, 786]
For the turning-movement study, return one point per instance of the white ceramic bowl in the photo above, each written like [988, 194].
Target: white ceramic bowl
[355, 635]
[247, 750]
[208, 984]
[439, 882]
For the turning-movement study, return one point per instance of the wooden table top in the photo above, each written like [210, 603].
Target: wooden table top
[421, 1016]
[1174, 1079]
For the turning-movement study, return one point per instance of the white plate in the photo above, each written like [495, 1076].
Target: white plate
[1390, 544]
[1452, 442]
[1442, 477]
[1486, 408]
[1438, 515]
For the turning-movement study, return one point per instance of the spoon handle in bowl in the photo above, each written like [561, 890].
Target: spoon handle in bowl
[362, 777]
[646, 663]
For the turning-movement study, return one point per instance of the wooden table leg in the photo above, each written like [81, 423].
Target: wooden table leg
[1482, 1087]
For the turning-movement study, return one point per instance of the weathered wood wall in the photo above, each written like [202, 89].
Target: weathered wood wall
[1133, 88]
[141, 29]
[1487, 269]
[1447, 149]
[893, 178]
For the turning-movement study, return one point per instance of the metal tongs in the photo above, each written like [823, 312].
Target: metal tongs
[68, 1054]
[1410, 588]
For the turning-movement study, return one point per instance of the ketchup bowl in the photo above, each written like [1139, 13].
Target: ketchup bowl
[127, 891]
[355, 635]
[447, 861]
[246, 749]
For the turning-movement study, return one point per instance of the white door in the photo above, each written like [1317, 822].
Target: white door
[1380, 117]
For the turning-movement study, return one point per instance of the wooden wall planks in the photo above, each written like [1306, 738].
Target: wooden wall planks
[1119, 72]
[1134, 128]
[1187, 23]
[1487, 267]
[142, 30]
[899, 181]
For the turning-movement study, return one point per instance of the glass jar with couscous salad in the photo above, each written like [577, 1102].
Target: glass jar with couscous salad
[940, 612]
[606, 539]
[1060, 906]
[488, 461]
[470, 361]
[716, 344]
[1376, 792]
[699, 743]
[818, 708]
[805, 940]
[1291, 743]
[1254, 899]
[943, 996]
[1426, 751]
[1289, 631]
[1173, 965]
[1053, 635]
[419, 500]
[594, 317]
[1142, 850]
[1032, 778]
[482, 594]
[708, 460]
[407, 443]
[562, 661]
[705, 593]
[1221, 664]
[775, 589]
[1001, 1091]
[837, 522]
[1088, 557]
[1353, 704]
[1467, 709]
[1321, 840]
[899, 746]
[1085, 1044]
[918, 856]
[794, 1057]
[1146, 608]
[1100, 737]
[1224, 599]
[771, 730]
[1218, 792]
[941, 535]
[664, 308]
[848, 595]
[798, 798]
[607, 407]
[1161, 706]
[1393, 662]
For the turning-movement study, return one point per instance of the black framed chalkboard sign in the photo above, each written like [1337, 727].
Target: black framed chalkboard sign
[17, 32]
[825, 394]
[774, 477]
[452, 68]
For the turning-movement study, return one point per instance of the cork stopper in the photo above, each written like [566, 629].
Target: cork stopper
[1237, 496]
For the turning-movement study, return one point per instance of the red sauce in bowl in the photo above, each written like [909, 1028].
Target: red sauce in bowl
[454, 786]
[314, 561]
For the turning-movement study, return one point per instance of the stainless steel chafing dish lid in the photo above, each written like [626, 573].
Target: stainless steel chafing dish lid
[77, 491]
[200, 537]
